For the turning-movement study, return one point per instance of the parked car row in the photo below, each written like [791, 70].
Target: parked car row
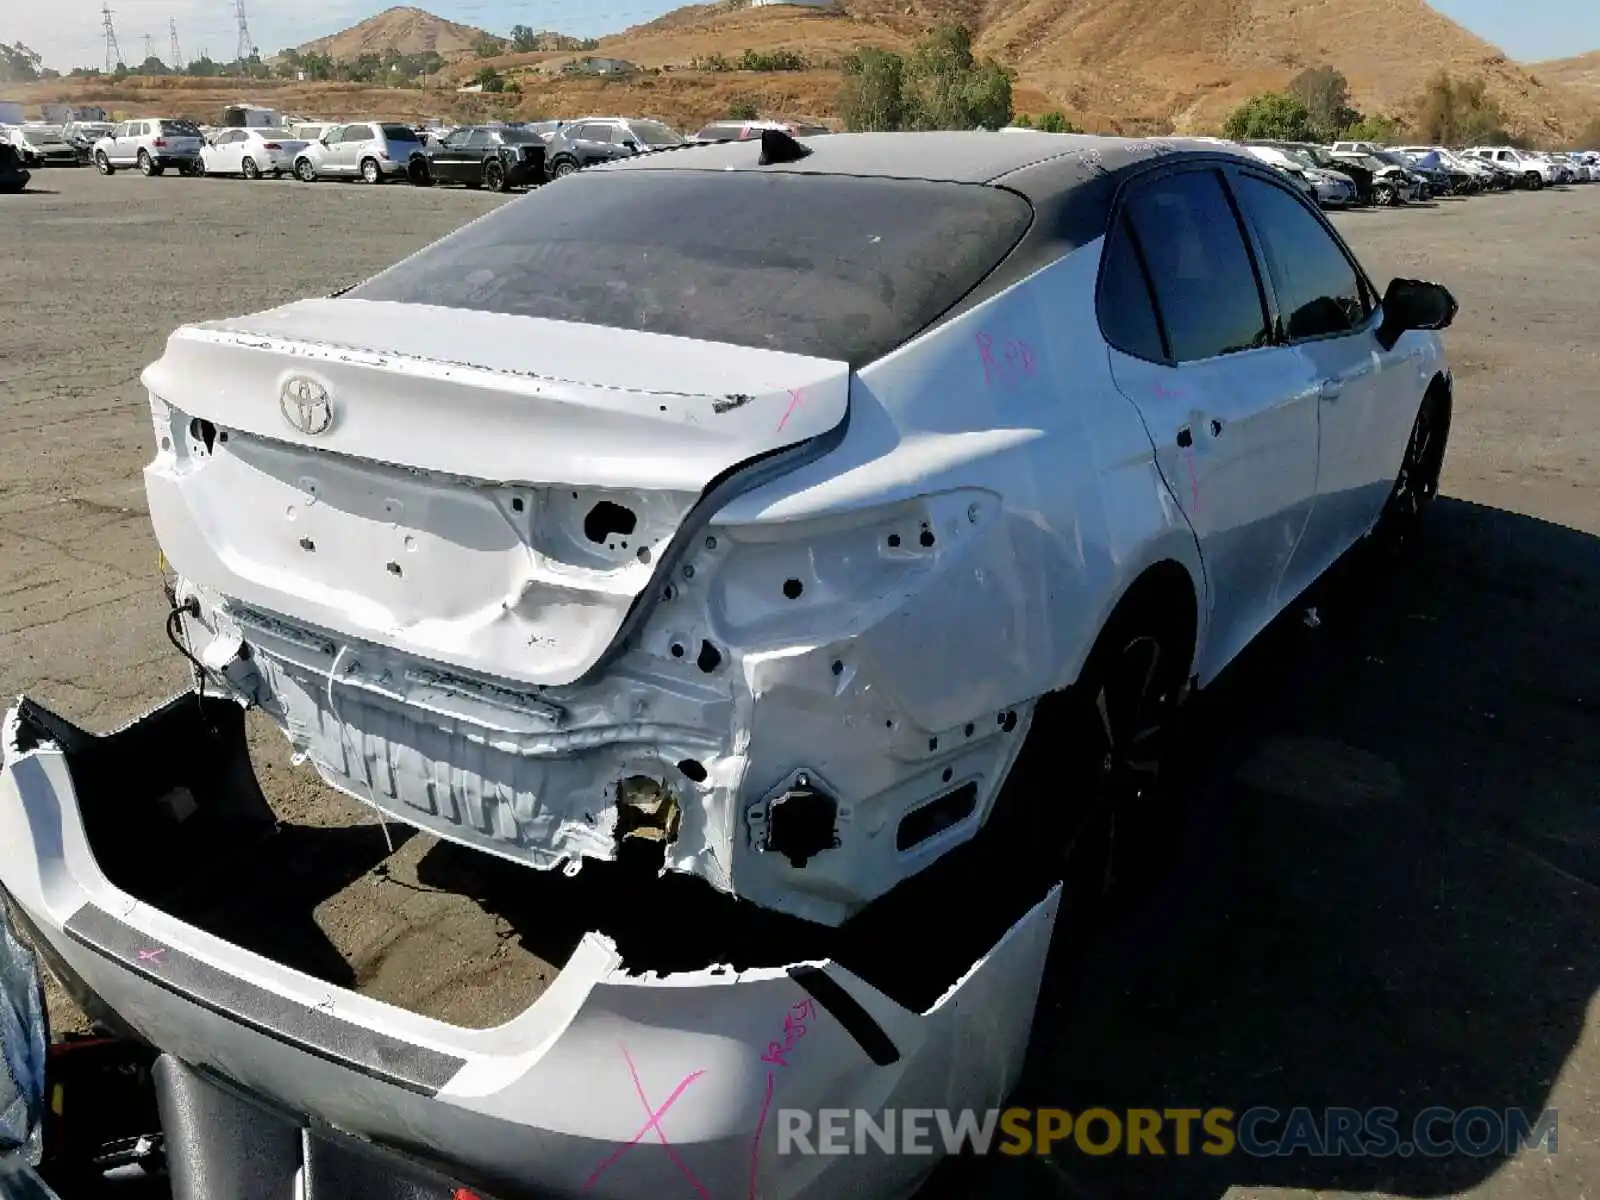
[1351, 173]
[499, 156]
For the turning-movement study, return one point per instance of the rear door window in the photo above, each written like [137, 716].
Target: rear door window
[838, 267]
[1204, 278]
[1126, 308]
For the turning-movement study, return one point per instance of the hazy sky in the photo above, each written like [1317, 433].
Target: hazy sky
[68, 32]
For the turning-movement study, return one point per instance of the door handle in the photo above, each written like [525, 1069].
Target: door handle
[1330, 389]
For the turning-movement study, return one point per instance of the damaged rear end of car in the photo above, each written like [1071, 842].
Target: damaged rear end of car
[457, 531]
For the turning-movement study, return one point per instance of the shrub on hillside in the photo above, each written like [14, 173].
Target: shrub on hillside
[1273, 116]
[939, 85]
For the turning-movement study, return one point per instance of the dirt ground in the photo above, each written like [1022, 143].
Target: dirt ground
[1391, 890]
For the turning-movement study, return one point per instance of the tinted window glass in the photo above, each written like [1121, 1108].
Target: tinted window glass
[1127, 316]
[1204, 283]
[399, 133]
[180, 129]
[481, 139]
[711, 132]
[834, 266]
[593, 133]
[1318, 290]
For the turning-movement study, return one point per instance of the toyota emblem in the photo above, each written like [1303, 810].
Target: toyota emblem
[304, 403]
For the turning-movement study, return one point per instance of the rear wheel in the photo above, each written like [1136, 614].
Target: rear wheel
[147, 165]
[370, 171]
[103, 164]
[494, 176]
[1535, 181]
[563, 168]
[248, 168]
[304, 171]
[1092, 792]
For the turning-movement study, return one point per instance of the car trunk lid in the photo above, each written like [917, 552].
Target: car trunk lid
[489, 491]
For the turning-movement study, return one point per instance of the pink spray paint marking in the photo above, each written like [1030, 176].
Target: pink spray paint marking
[794, 1029]
[794, 403]
[153, 956]
[652, 1122]
[1162, 392]
[1008, 365]
[1194, 483]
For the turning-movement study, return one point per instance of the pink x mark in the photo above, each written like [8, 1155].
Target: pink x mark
[653, 1122]
[153, 956]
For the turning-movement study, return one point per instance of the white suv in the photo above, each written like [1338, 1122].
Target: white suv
[1536, 171]
[152, 144]
[371, 150]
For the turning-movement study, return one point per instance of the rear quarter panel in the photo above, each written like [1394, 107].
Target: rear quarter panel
[1012, 398]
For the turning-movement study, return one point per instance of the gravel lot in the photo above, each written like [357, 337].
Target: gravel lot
[1391, 891]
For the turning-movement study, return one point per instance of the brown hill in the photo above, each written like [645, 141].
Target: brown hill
[1137, 64]
[401, 29]
[1581, 73]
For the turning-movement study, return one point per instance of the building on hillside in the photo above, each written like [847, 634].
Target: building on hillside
[598, 66]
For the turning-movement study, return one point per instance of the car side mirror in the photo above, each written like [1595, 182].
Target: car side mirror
[1414, 304]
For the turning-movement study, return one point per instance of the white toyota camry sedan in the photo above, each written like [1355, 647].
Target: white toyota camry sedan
[790, 515]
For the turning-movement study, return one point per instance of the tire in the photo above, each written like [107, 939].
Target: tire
[304, 170]
[1417, 485]
[248, 168]
[194, 170]
[1090, 792]
[147, 165]
[563, 168]
[370, 171]
[1535, 183]
[419, 171]
[103, 164]
[494, 176]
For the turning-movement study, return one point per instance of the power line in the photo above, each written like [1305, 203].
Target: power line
[113, 51]
[177, 55]
[246, 49]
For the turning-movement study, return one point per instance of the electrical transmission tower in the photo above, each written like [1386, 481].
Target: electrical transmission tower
[245, 48]
[113, 51]
[149, 48]
[177, 55]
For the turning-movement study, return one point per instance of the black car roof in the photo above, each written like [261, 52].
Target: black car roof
[1041, 166]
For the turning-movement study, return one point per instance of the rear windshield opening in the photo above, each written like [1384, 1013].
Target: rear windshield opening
[399, 133]
[180, 129]
[838, 267]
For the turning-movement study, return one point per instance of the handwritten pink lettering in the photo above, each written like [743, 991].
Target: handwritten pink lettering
[1005, 365]
[776, 1055]
[153, 956]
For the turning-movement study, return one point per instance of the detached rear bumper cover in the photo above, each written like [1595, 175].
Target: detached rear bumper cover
[558, 1096]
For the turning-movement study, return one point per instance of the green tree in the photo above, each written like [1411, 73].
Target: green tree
[1055, 122]
[870, 97]
[1022, 121]
[1326, 94]
[743, 108]
[203, 68]
[947, 87]
[488, 46]
[18, 64]
[1281, 118]
[524, 38]
[1459, 113]
[152, 66]
[1385, 131]
[489, 80]
[317, 66]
